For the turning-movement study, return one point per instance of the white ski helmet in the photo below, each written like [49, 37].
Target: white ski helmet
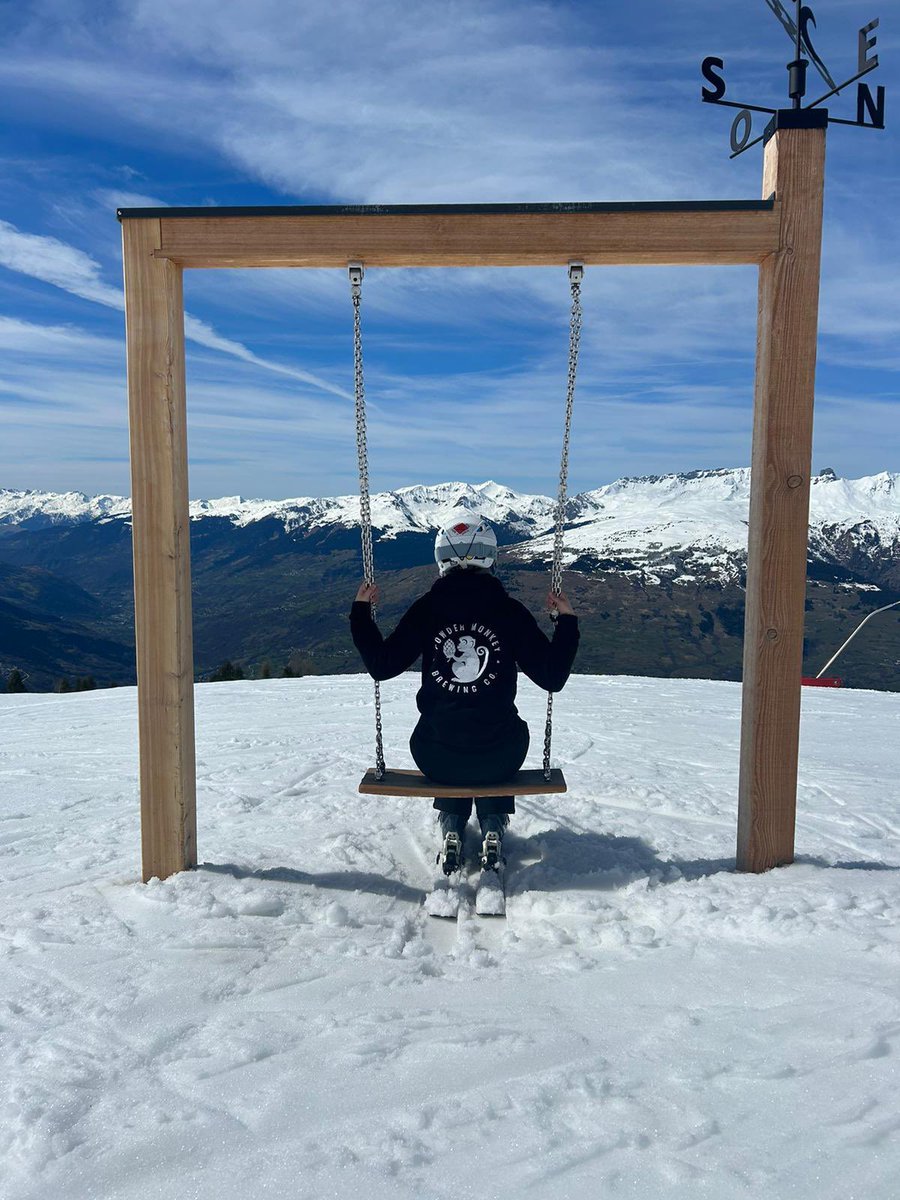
[466, 540]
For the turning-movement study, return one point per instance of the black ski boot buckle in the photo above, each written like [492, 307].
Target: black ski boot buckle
[490, 852]
[450, 854]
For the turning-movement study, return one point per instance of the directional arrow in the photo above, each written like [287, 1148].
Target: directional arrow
[790, 27]
[784, 17]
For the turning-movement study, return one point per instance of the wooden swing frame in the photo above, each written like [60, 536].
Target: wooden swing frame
[781, 234]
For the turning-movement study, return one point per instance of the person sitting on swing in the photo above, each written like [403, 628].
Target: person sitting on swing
[471, 635]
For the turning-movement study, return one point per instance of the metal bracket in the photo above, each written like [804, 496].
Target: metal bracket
[356, 271]
[576, 272]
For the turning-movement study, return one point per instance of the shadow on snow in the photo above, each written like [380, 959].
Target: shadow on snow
[555, 860]
[341, 881]
[597, 862]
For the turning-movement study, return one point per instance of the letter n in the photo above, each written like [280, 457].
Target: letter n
[865, 104]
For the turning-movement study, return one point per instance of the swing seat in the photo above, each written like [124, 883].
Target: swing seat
[414, 783]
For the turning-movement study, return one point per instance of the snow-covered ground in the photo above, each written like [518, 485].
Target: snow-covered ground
[286, 1022]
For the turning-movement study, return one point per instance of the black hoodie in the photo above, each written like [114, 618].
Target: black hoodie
[472, 636]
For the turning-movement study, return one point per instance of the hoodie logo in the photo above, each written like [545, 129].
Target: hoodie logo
[465, 658]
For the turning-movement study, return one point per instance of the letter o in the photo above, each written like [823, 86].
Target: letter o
[740, 140]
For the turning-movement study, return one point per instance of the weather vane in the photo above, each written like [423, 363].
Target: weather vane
[869, 108]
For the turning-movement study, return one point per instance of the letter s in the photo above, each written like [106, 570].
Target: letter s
[709, 69]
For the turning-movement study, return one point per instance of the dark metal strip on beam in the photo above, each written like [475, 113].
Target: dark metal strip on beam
[208, 212]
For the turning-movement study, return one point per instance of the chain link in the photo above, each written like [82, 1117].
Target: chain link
[365, 507]
[576, 273]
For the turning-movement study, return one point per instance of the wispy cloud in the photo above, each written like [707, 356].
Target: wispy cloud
[124, 197]
[52, 261]
[63, 404]
[29, 339]
[66, 267]
[383, 102]
[204, 335]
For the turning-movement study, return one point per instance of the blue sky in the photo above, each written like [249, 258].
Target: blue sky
[227, 102]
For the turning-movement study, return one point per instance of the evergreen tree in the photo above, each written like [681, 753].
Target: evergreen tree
[15, 683]
[63, 685]
[227, 671]
[287, 673]
[265, 671]
[85, 683]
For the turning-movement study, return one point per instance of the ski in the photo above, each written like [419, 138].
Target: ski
[444, 898]
[490, 891]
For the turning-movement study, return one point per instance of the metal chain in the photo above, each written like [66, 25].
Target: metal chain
[356, 271]
[576, 274]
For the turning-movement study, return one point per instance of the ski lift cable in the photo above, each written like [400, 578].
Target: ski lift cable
[867, 617]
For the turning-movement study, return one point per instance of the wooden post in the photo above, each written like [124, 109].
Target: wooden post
[779, 493]
[154, 322]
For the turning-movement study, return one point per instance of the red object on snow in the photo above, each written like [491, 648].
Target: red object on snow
[825, 681]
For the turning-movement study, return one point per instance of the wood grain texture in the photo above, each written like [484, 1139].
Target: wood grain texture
[414, 783]
[473, 239]
[154, 321]
[779, 503]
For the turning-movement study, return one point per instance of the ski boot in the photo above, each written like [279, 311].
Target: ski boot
[450, 855]
[492, 829]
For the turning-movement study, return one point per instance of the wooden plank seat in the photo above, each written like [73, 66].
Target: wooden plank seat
[414, 783]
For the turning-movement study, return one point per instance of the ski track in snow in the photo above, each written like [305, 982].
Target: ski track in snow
[287, 1020]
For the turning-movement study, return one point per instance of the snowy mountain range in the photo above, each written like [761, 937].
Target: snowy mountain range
[679, 526]
[655, 565]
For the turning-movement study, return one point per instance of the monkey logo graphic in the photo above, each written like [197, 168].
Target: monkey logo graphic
[466, 648]
[468, 662]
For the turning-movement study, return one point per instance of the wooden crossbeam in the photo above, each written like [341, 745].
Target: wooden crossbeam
[653, 234]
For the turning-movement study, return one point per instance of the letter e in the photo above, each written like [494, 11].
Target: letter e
[865, 45]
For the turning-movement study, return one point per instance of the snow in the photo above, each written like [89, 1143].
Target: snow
[421, 507]
[37, 509]
[287, 1021]
[702, 516]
